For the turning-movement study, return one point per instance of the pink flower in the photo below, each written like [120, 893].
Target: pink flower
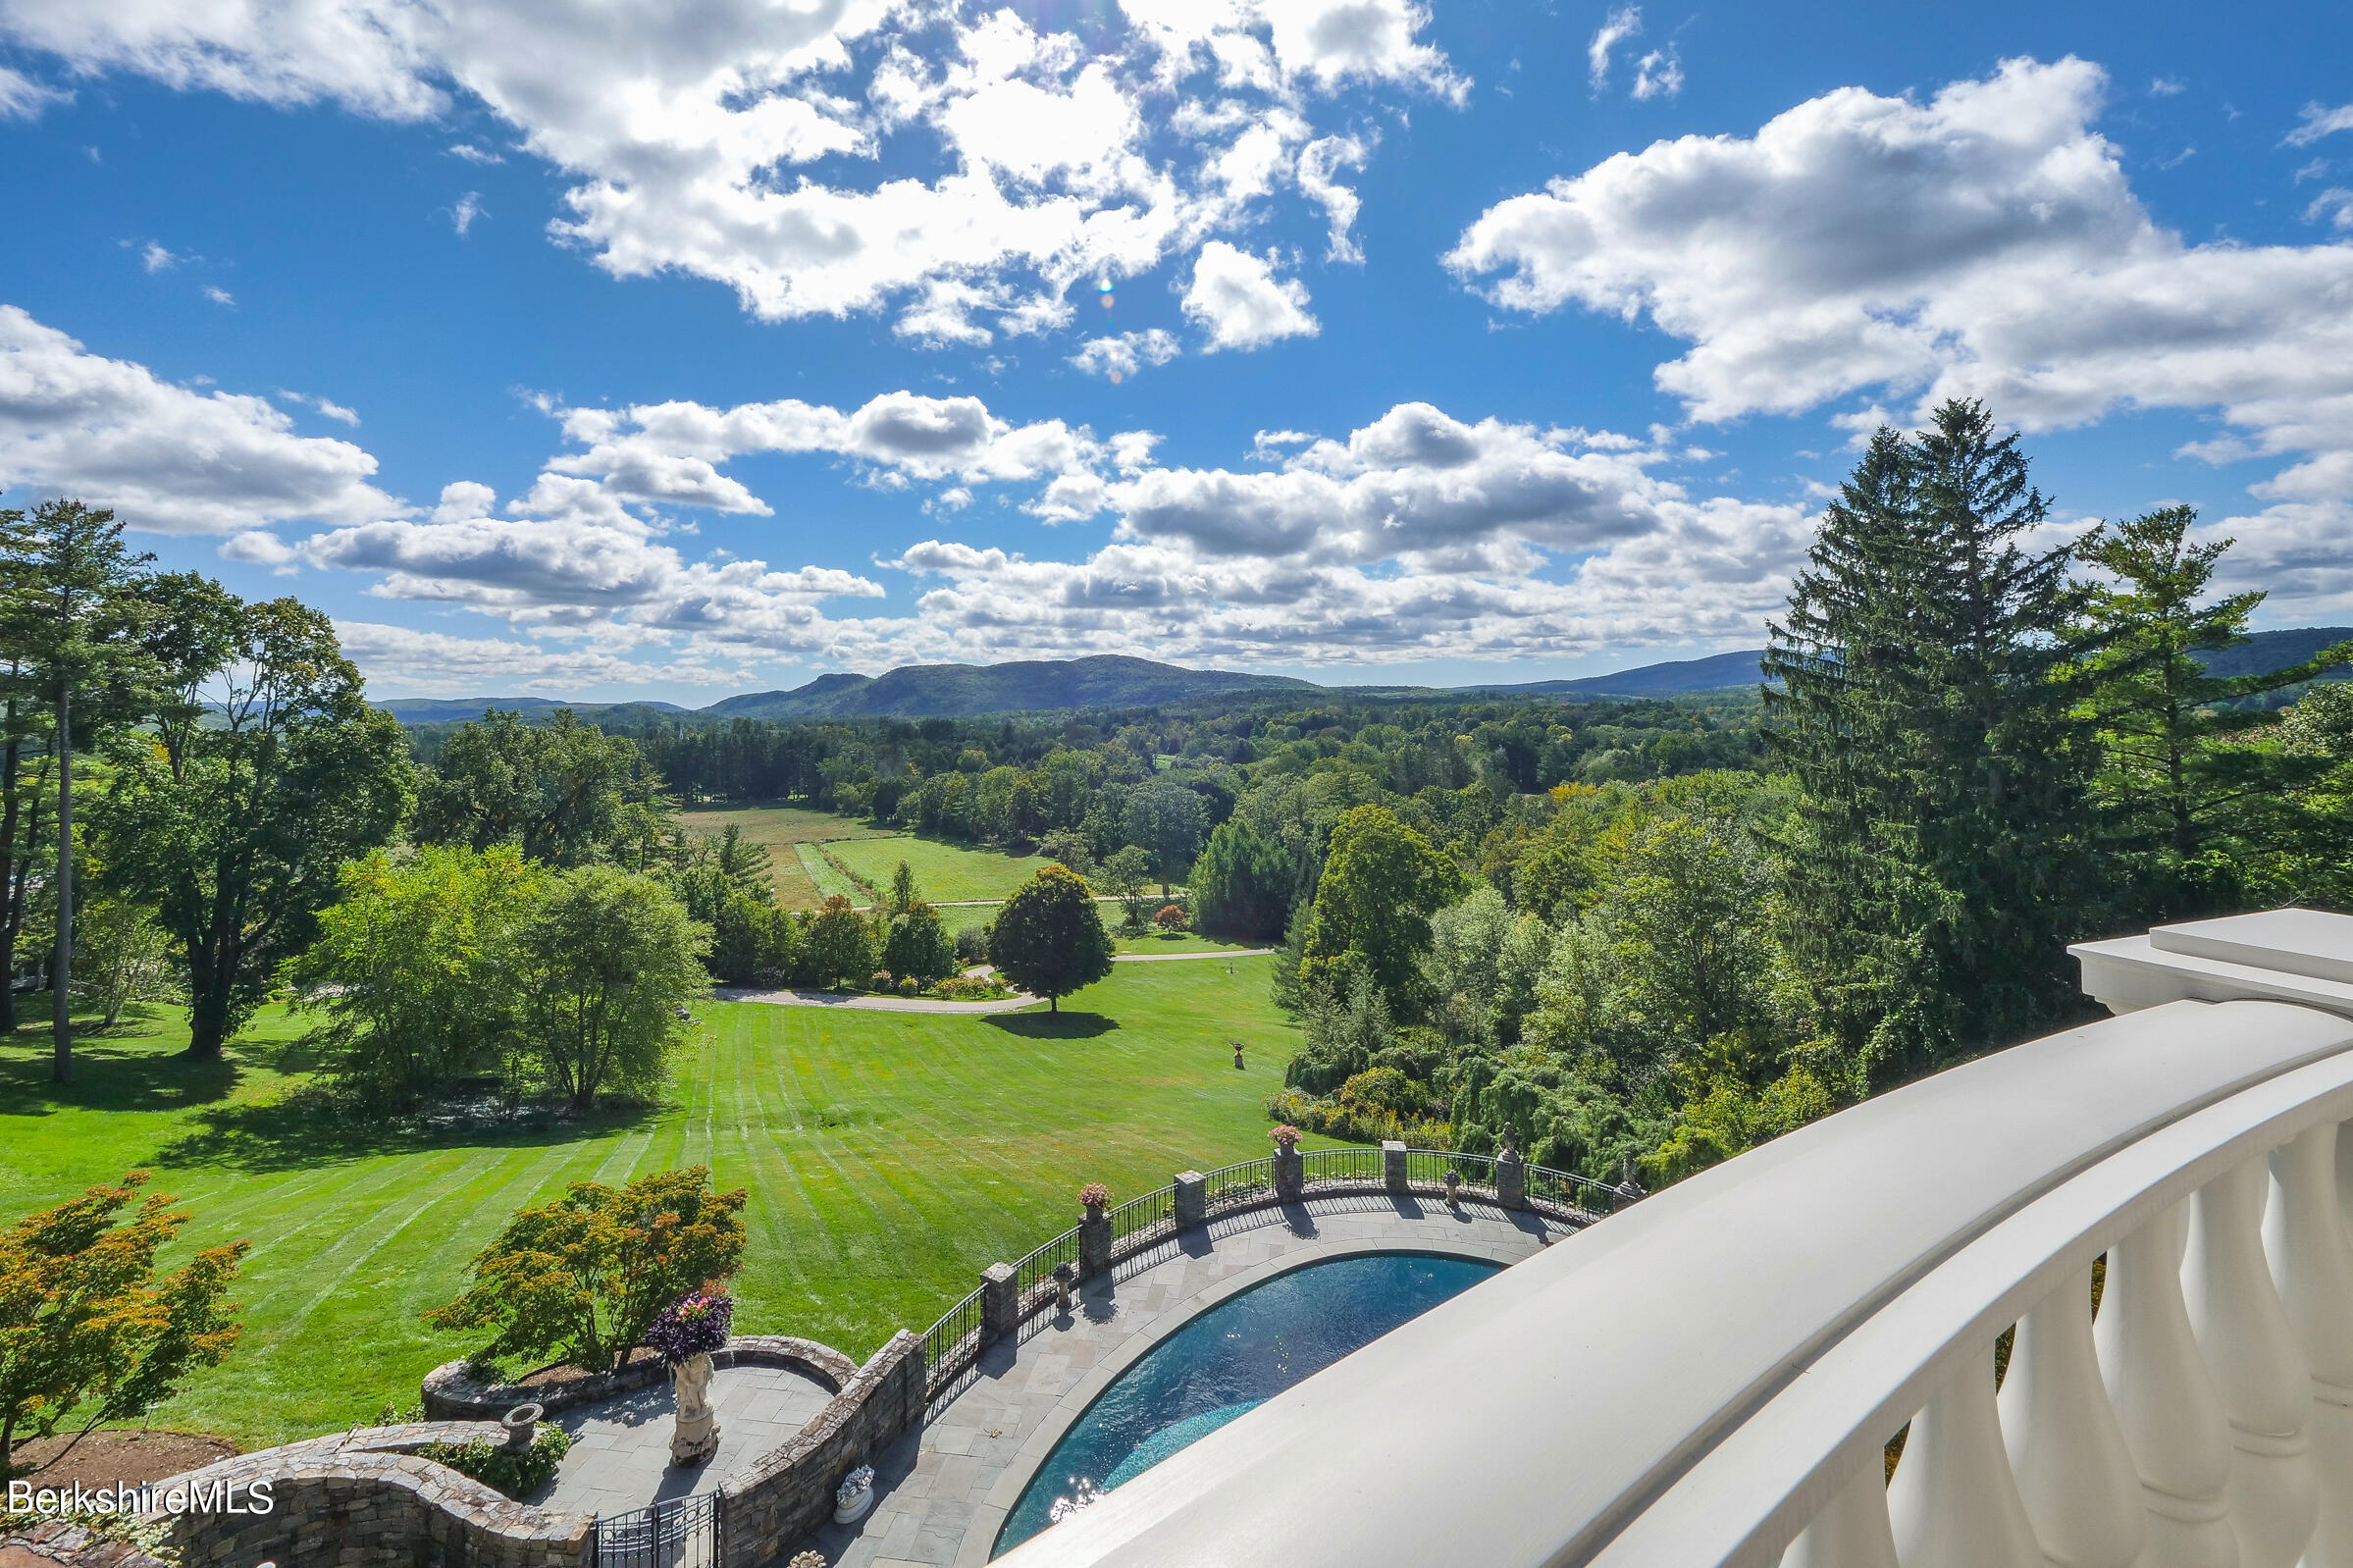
[1094, 1194]
[1286, 1135]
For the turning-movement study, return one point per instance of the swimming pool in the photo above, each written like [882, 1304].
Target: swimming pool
[1233, 1357]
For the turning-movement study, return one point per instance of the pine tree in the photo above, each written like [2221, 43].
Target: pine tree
[1928, 713]
[2184, 803]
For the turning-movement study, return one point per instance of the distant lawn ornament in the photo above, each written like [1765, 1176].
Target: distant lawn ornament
[1238, 1045]
[855, 1495]
[684, 1334]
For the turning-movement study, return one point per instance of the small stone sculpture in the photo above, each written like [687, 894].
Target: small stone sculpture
[855, 1495]
[1453, 1190]
[1237, 1056]
[1064, 1276]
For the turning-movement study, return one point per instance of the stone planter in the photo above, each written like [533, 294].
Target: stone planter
[696, 1437]
[1290, 1172]
[1094, 1242]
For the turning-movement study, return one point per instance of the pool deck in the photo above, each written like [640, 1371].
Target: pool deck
[942, 1492]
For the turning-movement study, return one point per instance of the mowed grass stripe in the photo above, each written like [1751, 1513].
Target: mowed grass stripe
[888, 1157]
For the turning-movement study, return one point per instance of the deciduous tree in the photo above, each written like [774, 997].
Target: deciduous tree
[415, 967]
[1382, 882]
[267, 771]
[603, 968]
[1048, 939]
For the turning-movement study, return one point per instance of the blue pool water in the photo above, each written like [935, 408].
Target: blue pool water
[1235, 1356]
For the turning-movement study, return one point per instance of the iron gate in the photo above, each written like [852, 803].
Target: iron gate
[680, 1533]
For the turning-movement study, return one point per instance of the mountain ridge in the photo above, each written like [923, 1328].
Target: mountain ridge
[1110, 680]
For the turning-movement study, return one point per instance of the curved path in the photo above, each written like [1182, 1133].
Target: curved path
[943, 1492]
[923, 1004]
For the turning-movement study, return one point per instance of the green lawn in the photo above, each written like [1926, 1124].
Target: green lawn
[890, 1158]
[791, 833]
[946, 872]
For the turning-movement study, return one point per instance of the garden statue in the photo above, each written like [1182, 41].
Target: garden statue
[684, 1334]
[1237, 1056]
[855, 1495]
[696, 1437]
[1064, 1276]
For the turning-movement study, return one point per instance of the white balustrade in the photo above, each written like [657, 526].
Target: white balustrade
[2165, 1404]
[2075, 1473]
[1954, 1502]
[2312, 1264]
[2243, 1333]
[1709, 1376]
[1853, 1530]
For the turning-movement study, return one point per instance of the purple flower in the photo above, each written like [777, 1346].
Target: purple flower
[692, 1326]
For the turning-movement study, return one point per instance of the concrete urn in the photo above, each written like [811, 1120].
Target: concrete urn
[696, 1437]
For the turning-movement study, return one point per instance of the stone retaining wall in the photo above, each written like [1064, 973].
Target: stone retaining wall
[357, 1501]
[773, 1506]
[452, 1394]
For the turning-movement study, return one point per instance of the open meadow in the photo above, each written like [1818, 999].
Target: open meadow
[890, 1157]
[817, 853]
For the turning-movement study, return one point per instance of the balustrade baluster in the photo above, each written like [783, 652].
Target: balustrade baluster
[2073, 1472]
[1851, 1530]
[2259, 1371]
[1954, 1503]
[2312, 1264]
[2165, 1400]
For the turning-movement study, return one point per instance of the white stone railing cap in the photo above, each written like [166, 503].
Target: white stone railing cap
[2308, 942]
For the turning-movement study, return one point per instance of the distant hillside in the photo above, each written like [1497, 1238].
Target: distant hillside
[456, 710]
[1672, 679]
[959, 690]
[2265, 651]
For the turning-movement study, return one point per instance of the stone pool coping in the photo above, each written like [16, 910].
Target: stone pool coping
[988, 1518]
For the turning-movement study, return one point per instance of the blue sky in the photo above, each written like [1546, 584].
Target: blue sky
[603, 350]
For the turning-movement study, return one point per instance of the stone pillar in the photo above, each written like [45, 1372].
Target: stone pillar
[1290, 1172]
[1094, 1245]
[1000, 1303]
[1193, 1199]
[1393, 1165]
[1511, 1176]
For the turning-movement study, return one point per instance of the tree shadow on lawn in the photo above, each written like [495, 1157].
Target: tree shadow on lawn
[1052, 1026]
[118, 1070]
[311, 1128]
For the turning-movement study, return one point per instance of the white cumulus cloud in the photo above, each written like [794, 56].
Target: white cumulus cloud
[1236, 298]
[745, 144]
[166, 459]
[1982, 242]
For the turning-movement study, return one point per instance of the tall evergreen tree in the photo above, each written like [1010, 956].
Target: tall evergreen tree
[1928, 713]
[2183, 805]
[76, 612]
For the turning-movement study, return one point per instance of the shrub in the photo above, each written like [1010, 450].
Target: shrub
[880, 980]
[86, 1321]
[1170, 917]
[500, 1469]
[584, 1277]
[971, 944]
